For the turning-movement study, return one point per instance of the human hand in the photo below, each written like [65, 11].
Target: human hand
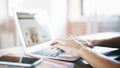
[69, 45]
[86, 42]
[90, 43]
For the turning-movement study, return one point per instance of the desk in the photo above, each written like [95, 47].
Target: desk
[111, 53]
[80, 63]
[101, 35]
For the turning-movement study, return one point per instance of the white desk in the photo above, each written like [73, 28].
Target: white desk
[102, 35]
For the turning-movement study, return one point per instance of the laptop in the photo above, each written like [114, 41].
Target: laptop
[36, 34]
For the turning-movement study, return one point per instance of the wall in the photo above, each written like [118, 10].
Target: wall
[87, 25]
[6, 29]
[3, 10]
[59, 17]
[80, 25]
[58, 14]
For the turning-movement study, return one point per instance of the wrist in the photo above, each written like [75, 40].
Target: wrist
[81, 50]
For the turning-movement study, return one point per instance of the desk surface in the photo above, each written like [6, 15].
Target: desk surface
[80, 63]
[101, 35]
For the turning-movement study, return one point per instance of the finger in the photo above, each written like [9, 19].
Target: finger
[74, 37]
[56, 47]
[85, 42]
[61, 41]
[76, 40]
[54, 43]
[59, 46]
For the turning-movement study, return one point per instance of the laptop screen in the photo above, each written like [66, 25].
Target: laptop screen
[32, 32]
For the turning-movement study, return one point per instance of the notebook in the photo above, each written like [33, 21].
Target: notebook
[34, 29]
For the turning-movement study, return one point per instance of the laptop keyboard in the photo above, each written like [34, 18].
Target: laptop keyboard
[49, 52]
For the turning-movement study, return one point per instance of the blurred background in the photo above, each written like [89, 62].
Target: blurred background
[67, 17]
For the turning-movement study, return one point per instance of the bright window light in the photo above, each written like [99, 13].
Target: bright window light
[101, 7]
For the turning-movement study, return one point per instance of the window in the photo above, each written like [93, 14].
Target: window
[101, 7]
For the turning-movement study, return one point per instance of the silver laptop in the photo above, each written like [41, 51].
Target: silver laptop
[36, 34]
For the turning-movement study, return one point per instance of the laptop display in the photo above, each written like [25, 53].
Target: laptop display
[33, 33]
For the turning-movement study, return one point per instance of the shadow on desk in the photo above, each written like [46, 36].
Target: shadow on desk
[80, 63]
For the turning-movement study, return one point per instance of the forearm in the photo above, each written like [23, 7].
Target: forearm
[97, 60]
[112, 42]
